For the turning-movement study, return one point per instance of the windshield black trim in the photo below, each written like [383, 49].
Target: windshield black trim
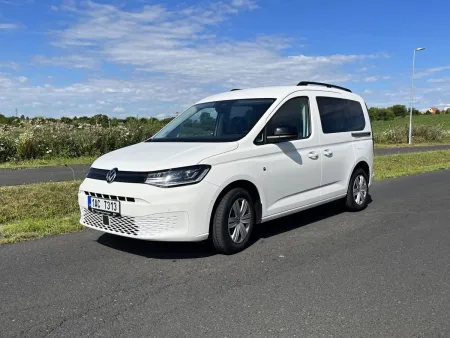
[194, 140]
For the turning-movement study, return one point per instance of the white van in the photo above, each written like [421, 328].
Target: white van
[232, 161]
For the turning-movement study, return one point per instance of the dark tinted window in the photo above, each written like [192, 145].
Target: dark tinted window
[218, 121]
[340, 115]
[295, 113]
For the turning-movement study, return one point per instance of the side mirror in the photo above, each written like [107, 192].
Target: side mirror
[282, 134]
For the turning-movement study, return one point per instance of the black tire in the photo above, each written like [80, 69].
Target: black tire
[220, 233]
[350, 203]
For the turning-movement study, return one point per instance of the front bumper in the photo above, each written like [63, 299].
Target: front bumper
[151, 213]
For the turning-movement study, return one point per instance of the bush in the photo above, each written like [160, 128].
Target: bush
[420, 134]
[383, 114]
[44, 139]
[8, 146]
[386, 114]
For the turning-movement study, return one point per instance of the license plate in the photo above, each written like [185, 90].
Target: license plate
[104, 206]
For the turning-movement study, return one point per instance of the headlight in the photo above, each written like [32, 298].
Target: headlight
[178, 176]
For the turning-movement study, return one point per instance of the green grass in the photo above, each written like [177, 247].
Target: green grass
[390, 166]
[46, 162]
[444, 120]
[404, 145]
[427, 129]
[37, 210]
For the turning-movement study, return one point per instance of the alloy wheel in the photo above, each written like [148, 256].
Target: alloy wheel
[359, 189]
[239, 219]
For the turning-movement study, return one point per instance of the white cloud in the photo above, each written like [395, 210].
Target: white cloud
[118, 110]
[8, 26]
[22, 79]
[70, 61]
[182, 46]
[10, 64]
[180, 43]
[371, 79]
[424, 97]
[16, 2]
[431, 71]
[164, 116]
[244, 3]
[438, 80]
[375, 78]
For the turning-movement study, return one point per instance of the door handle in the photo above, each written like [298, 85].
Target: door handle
[328, 153]
[313, 155]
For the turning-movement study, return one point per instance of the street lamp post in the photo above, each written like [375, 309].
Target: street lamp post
[412, 96]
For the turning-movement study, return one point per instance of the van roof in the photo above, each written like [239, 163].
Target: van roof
[275, 92]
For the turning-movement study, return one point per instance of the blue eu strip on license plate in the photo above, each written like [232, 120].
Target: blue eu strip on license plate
[89, 202]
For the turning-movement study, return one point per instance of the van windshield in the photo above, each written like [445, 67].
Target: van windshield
[218, 121]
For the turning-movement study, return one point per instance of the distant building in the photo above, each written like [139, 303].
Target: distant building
[433, 110]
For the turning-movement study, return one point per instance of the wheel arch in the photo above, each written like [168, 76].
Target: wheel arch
[364, 166]
[247, 185]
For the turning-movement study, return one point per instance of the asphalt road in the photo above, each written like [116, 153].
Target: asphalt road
[61, 173]
[43, 174]
[383, 272]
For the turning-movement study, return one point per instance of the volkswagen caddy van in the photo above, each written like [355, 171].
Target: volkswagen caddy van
[232, 161]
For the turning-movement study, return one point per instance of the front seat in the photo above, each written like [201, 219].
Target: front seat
[238, 125]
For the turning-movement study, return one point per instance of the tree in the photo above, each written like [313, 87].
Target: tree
[3, 119]
[167, 120]
[399, 110]
[415, 111]
[373, 113]
[101, 119]
[65, 119]
[385, 114]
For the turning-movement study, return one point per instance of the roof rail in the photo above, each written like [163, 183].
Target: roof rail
[232, 90]
[305, 83]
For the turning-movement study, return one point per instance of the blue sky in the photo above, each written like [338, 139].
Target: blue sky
[153, 58]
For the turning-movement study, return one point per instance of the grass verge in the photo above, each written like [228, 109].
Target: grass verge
[406, 145]
[37, 210]
[390, 166]
[46, 162]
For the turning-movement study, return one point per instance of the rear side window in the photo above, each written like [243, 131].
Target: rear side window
[340, 115]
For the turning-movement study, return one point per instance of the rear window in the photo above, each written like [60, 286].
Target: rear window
[340, 115]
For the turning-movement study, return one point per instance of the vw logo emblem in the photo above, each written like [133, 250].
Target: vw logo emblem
[111, 175]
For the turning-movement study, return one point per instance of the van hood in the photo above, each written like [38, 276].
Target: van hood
[150, 156]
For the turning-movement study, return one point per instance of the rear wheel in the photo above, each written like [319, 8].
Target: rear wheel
[358, 191]
[233, 221]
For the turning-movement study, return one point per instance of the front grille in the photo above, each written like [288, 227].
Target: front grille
[144, 226]
[122, 224]
[110, 197]
[122, 176]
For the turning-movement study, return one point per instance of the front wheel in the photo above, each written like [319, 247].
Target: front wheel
[233, 221]
[358, 191]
